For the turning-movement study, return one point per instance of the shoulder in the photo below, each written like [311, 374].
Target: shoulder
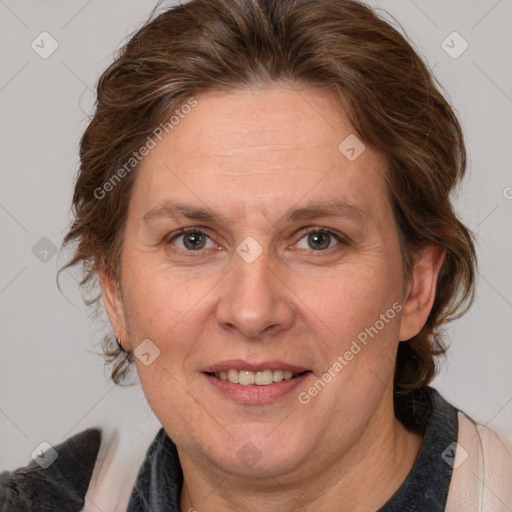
[95, 469]
[482, 469]
[59, 476]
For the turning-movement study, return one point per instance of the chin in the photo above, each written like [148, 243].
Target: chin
[260, 454]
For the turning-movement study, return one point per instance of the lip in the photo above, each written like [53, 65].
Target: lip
[254, 394]
[240, 364]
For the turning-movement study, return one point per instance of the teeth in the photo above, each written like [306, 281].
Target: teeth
[233, 376]
[248, 377]
[277, 375]
[263, 378]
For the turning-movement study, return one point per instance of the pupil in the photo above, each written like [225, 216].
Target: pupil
[323, 238]
[197, 241]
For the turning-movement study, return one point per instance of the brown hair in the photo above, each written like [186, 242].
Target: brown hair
[391, 98]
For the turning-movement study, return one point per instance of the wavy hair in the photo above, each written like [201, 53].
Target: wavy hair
[392, 99]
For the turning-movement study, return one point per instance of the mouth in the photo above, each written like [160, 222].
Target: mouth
[256, 378]
[264, 382]
[255, 382]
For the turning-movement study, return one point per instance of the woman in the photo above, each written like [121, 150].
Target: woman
[264, 197]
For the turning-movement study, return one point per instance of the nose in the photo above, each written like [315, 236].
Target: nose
[255, 299]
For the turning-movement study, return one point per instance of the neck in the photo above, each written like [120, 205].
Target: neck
[362, 478]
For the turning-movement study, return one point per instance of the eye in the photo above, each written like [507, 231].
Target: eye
[321, 239]
[318, 239]
[191, 240]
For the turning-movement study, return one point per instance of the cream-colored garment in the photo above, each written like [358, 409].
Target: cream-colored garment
[482, 474]
[119, 459]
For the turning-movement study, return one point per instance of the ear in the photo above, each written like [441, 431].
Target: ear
[113, 305]
[420, 290]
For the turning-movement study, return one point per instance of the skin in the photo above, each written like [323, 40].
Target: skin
[251, 155]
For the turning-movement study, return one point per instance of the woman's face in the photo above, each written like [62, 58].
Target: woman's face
[255, 284]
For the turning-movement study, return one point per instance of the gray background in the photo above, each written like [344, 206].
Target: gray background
[52, 382]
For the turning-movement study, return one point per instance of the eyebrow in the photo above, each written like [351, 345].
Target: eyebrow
[330, 209]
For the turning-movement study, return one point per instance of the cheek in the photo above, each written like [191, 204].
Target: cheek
[160, 302]
[356, 298]
[363, 318]
[168, 311]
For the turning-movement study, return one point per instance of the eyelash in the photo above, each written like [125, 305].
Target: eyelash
[342, 239]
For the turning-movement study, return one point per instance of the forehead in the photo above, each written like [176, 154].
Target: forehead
[265, 148]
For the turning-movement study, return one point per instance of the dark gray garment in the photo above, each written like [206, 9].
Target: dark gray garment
[425, 489]
[60, 486]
